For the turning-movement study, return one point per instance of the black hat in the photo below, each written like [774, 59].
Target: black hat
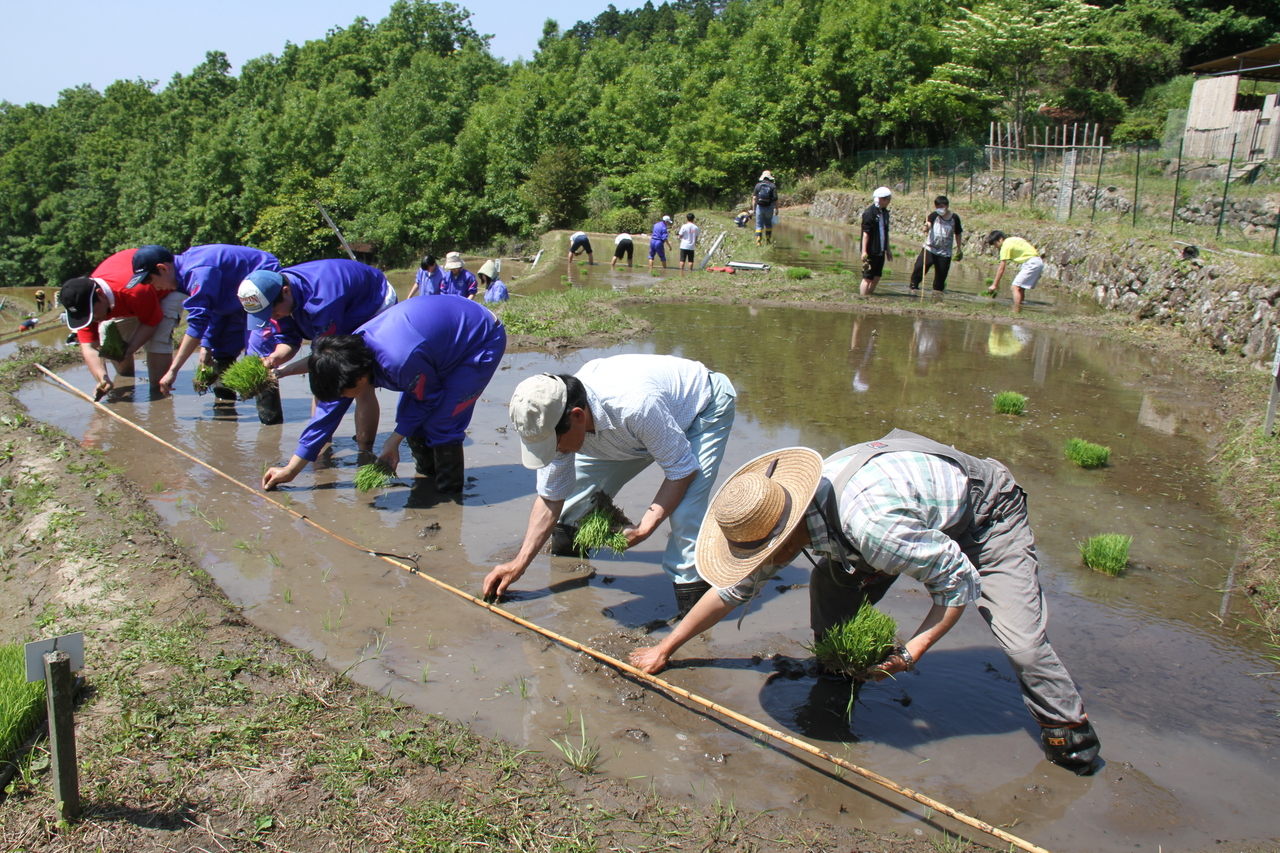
[145, 261]
[77, 297]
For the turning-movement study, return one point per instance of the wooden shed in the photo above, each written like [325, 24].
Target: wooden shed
[1224, 112]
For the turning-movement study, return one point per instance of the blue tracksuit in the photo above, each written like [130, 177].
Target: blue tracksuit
[331, 297]
[429, 282]
[439, 353]
[211, 275]
[459, 283]
[497, 292]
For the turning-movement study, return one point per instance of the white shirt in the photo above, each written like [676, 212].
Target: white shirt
[688, 235]
[620, 238]
[642, 405]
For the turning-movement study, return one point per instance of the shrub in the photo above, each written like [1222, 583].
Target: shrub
[626, 219]
[1108, 552]
[1010, 403]
[1086, 454]
[798, 273]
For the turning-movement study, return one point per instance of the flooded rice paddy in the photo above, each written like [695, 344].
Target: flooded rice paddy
[1177, 685]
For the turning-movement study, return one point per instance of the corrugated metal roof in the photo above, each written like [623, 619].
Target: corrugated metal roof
[1260, 64]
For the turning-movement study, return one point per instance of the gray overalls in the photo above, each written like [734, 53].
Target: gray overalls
[995, 536]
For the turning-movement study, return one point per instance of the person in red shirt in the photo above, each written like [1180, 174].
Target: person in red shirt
[144, 316]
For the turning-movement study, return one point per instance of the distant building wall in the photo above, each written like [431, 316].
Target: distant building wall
[1214, 123]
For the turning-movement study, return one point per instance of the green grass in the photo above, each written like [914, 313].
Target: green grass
[1086, 454]
[21, 704]
[570, 313]
[1010, 403]
[856, 645]
[248, 377]
[204, 378]
[1107, 553]
[799, 273]
[112, 346]
[595, 531]
[370, 477]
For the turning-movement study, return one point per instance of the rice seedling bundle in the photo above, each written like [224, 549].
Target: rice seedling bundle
[856, 645]
[1086, 454]
[113, 345]
[370, 477]
[248, 377]
[1010, 403]
[21, 704]
[1107, 553]
[596, 530]
[798, 273]
[205, 376]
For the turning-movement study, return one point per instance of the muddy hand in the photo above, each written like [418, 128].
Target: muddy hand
[888, 668]
[649, 659]
[166, 383]
[103, 388]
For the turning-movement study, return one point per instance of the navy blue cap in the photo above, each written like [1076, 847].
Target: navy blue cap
[145, 261]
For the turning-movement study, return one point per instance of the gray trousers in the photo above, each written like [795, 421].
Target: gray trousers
[1000, 543]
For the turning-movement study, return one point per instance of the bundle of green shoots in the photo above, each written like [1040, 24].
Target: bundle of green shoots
[1086, 454]
[596, 530]
[373, 476]
[1010, 403]
[205, 376]
[1107, 553]
[113, 345]
[21, 703]
[857, 645]
[248, 377]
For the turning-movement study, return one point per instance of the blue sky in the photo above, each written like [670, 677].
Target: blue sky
[50, 45]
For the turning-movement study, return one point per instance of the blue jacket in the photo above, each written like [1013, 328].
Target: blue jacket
[497, 292]
[464, 284]
[429, 282]
[211, 276]
[416, 345]
[330, 297]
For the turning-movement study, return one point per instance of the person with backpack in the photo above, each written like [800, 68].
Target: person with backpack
[763, 200]
[901, 505]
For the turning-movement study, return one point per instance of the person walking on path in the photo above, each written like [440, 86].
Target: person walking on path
[875, 240]
[597, 430]
[144, 317]
[622, 245]
[458, 280]
[1019, 251]
[216, 323]
[580, 242]
[658, 241]
[426, 281]
[943, 240]
[307, 302]
[688, 241]
[494, 289]
[438, 353]
[901, 505]
[764, 198]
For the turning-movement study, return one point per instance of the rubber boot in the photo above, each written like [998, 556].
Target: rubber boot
[270, 410]
[562, 540]
[759, 237]
[450, 468]
[1073, 747]
[768, 236]
[222, 393]
[687, 595]
[424, 457]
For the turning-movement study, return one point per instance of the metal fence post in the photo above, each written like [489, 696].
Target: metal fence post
[1275, 240]
[1137, 169]
[1177, 182]
[1226, 185]
[1097, 188]
[1004, 180]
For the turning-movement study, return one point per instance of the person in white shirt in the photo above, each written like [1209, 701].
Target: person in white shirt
[688, 240]
[622, 245]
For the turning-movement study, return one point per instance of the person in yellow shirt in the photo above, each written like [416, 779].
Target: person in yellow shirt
[1021, 252]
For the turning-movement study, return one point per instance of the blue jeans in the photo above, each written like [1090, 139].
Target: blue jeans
[764, 217]
[708, 435]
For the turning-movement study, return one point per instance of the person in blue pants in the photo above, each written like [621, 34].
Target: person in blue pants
[307, 302]
[438, 353]
[216, 325]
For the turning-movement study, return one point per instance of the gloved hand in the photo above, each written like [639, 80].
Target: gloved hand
[1073, 747]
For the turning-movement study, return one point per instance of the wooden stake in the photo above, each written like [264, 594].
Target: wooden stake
[60, 700]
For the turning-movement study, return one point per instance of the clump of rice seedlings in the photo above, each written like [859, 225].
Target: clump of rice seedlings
[856, 645]
[808, 236]
[113, 345]
[1107, 553]
[1010, 403]
[205, 376]
[373, 476]
[595, 531]
[799, 273]
[248, 377]
[804, 254]
[21, 704]
[1086, 454]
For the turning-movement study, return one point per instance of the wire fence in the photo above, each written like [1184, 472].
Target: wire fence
[1230, 200]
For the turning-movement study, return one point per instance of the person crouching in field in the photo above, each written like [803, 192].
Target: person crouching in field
[1020, 252]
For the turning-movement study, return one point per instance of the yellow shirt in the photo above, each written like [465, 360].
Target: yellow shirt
[1017, 250]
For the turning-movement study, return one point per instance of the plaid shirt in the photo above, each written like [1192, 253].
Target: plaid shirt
[642, 405]
[894, 510]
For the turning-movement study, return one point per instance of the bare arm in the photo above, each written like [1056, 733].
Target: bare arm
[185, 349]
[542, 520]
[669, 495]
[275, 476]
[937, 622]
[709, 610]
[97, 367]
[279, 355]
[995, 285]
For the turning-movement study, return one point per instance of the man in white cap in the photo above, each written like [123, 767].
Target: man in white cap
[902, 505]
[764, 198]
[599, 429]
[875, 239]
[458, 280]
[659, 236]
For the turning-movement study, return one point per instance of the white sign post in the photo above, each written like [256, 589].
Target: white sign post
[58, 657]
[1275, 392]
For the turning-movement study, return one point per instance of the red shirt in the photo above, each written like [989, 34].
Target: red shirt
[141, 301]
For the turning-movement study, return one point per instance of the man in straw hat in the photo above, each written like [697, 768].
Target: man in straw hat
[602, 427]
[900, 505]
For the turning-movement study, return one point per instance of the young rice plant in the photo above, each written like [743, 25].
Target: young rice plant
[1010, 403]
[798, 273]
[248, 377]
[113, 345]
[1086, 454]
[370, 477]
[204, 379]
[856, 645]
[596, 531]
[1107, 553]
[21, 704]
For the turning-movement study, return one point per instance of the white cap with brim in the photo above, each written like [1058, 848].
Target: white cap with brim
[258, 293]
[536, 407]
[882, 192]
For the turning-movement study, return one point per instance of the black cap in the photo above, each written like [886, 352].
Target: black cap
[145, 261]
[77, 297]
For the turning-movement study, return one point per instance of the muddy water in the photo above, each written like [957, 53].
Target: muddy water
[1169, 673]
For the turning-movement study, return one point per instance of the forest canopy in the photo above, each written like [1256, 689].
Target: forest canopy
[415, 137]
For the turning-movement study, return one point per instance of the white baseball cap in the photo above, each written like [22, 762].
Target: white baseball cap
[882, 192]
[536, 407]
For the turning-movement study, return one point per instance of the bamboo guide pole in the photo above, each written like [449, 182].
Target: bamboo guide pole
[659, 683]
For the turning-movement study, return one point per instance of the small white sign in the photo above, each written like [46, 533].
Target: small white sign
[72, 644]
[1275, 365]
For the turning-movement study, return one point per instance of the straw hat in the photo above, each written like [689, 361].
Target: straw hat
[755, 511]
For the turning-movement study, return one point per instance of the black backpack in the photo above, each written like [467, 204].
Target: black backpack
[766, 193]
